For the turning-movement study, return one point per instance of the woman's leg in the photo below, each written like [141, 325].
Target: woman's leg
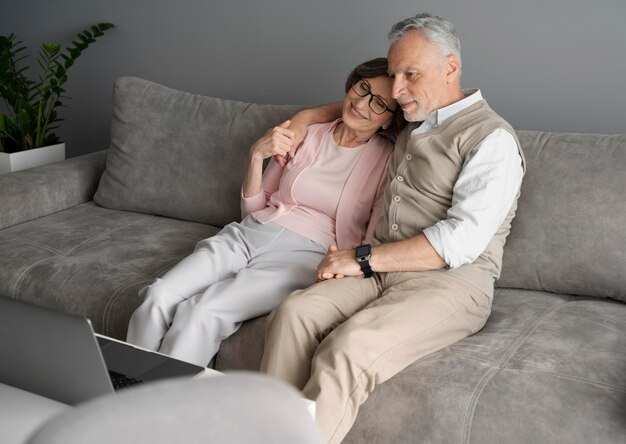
[214, 259]
[204, 320]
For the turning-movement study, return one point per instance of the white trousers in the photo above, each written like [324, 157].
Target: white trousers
[244, 271]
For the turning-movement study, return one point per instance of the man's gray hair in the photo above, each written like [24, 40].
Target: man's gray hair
[439, 31]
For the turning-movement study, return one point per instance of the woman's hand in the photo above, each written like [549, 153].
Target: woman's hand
[298, 125]
[300, 122]
[277, 141]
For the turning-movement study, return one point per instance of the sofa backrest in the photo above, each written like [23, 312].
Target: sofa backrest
[178, 154]
[569, 234]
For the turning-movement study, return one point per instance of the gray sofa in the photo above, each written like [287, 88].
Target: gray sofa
[84, 235]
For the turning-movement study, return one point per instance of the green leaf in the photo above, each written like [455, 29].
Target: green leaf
[32, 104]
[51, 47]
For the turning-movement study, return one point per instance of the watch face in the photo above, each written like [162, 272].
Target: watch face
[362, 250]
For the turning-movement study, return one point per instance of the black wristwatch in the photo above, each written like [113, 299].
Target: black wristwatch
[363, 254]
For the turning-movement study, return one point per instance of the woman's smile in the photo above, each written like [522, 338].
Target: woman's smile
[356, 112]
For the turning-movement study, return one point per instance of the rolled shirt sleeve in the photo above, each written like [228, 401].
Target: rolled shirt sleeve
[482, 197]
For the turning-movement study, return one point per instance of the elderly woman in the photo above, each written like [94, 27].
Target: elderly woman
[329, 194]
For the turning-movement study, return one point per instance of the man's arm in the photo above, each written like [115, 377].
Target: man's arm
[301, 120]
[482, 197]
[413, 254]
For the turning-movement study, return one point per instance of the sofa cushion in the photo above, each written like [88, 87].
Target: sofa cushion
[568, 236]
[178, 154]
[92, 261]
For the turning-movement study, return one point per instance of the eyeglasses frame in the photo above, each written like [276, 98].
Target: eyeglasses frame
[372, 95]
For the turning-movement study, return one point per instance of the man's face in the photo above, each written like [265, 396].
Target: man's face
[419, 72]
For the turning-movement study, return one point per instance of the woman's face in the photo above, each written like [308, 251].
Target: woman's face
[357, 111]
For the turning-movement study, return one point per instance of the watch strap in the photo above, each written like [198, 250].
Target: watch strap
[363, 253]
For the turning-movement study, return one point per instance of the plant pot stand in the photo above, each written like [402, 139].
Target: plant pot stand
[21, 160]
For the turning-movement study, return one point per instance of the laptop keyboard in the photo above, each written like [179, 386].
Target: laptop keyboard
[121, 381]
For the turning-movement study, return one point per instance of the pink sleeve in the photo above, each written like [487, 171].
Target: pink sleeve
[271, 180]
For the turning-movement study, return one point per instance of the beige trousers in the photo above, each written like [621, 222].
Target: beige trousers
[340, 338]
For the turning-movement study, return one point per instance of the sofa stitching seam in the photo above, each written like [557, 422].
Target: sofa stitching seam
[478, 390]
[494, 364]
[573, 378]
[108, 308]
[36, 244]
[96, 236]
[22, 276]
[508, 354]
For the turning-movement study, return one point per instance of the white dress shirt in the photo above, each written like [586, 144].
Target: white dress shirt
[483, 193]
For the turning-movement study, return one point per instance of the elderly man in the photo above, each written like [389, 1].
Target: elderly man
[427, 281]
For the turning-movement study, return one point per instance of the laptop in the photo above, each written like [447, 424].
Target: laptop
[58, 355]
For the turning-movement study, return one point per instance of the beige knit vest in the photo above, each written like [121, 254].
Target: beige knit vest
[422, 173]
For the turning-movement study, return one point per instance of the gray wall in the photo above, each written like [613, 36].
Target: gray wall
[557, 65]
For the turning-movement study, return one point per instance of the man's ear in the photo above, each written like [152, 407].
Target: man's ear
[453, 68]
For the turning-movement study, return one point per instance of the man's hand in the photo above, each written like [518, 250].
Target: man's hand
[301, 121]
[338, 264]
[297, 126]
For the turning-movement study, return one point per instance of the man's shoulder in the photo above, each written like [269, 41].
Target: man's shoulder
[476, 122]
[481, 112]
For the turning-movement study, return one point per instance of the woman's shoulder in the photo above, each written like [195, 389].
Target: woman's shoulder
[321, 128]
[315, 134]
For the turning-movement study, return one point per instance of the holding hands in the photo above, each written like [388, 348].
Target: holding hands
[277, 141]
[338, 264]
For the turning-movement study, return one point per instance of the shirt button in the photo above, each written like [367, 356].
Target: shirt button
[394, 227]
[408, 157]
[396, 198]
[400, 179]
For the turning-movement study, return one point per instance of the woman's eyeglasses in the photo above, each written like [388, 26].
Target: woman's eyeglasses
[376, 103]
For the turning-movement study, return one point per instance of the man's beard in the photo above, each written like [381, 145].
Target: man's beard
[416, 116]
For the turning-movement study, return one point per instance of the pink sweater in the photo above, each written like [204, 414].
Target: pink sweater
[360, 203]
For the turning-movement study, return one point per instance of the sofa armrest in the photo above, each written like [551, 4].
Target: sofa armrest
[40, 191]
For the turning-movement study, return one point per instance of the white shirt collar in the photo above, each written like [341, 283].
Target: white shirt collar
[439, 116]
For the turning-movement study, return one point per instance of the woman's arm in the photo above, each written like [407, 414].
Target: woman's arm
[276, 141]
[270, 183]
[258, 187]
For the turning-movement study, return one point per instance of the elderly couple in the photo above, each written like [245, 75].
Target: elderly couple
[405, 242]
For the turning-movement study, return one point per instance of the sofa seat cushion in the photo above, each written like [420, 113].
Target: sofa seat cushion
[92, 261]
[545, 368]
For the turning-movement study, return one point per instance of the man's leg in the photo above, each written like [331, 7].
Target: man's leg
[296, 327]
[418, 314]
[204, 320]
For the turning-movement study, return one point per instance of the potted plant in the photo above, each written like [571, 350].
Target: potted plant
[32, 105]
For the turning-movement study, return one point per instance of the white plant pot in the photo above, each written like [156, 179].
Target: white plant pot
[21, 160]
